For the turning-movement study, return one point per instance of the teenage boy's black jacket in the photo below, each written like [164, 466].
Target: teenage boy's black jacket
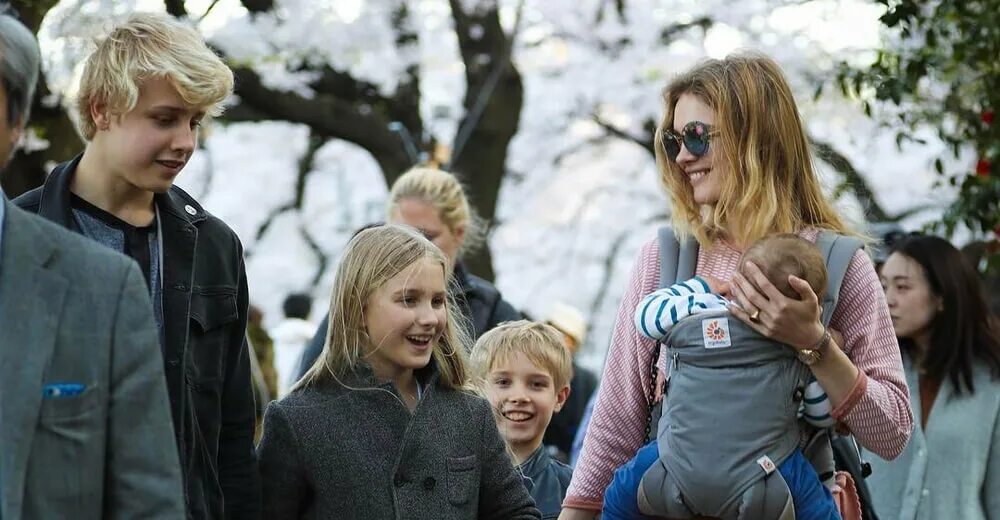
[205, 352]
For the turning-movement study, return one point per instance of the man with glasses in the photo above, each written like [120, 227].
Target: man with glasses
[85, 426]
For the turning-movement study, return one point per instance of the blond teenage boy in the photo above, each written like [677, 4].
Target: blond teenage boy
[524, 369]
[145, 91]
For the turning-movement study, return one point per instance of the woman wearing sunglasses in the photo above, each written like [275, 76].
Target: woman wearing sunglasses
[734, 157]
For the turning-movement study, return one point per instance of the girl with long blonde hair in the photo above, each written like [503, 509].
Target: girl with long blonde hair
[381, 425]
[434, 202]
[734, 157]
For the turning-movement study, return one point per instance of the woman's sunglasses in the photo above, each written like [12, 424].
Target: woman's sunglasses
[694, 136]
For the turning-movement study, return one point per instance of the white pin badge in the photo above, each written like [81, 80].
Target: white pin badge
[190, 209]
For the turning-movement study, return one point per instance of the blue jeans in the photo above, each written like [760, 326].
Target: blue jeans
[811, 498]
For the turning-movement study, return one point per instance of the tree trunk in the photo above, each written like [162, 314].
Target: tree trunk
[493, 102]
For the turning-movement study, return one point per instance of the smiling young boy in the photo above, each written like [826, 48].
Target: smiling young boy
[524, 369]
[145, 90]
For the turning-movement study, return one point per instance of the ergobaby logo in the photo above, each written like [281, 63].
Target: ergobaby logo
[715, 333]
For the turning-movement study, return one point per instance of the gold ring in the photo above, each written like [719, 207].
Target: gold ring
[755, 315]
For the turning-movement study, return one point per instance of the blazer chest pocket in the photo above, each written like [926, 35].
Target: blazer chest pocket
[69, 415]
[212, 308]
[462, 479]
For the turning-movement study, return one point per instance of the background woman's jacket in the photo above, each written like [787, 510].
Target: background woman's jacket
[951, 468]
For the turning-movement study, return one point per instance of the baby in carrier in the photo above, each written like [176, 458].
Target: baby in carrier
[727, 445]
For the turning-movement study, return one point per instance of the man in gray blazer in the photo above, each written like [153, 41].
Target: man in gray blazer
[85, 426]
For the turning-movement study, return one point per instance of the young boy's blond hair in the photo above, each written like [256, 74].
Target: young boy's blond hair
[542, 344]
[151, 45]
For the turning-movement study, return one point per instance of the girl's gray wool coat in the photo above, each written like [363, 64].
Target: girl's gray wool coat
[354, 450]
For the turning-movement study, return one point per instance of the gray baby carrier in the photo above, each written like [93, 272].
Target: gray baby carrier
[730, 416]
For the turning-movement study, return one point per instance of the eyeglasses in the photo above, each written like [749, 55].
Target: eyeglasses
[694, 136]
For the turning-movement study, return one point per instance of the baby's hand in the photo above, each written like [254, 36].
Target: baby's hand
[717, 286]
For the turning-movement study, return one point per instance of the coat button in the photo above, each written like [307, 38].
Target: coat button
[173, 362]
[399, 480]
[429, 483]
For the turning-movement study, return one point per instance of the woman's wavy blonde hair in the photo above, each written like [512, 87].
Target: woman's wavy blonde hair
[444, 192]
[769, 184]
[372, 257]
[151, 45]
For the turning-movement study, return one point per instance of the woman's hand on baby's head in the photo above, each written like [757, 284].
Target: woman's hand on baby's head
[716, 286]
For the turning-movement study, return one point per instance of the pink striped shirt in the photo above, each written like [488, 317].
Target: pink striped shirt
[877, 410]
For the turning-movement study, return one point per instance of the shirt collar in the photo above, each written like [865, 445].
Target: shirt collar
[536, 463]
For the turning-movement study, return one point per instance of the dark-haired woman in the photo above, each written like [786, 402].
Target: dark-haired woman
[951, 354]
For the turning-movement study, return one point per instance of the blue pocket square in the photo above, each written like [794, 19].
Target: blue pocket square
[62, 390]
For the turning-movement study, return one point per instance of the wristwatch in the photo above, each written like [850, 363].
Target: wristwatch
[810, 356]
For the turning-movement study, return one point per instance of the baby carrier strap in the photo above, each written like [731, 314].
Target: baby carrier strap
[838, 251]
[677, 261]
[768, 499]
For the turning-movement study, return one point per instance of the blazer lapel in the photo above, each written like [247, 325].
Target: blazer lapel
[31, 300]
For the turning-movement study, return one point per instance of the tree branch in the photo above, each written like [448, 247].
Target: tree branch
[404, 104]
[668, 33]
[208, 10]
[343, 107]
[619, 6]
[486, 52]
[175, 8]
[493, 99]
[855, 181]
[645, 142]
[258, 6]
[609, 263]
[329, 116]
